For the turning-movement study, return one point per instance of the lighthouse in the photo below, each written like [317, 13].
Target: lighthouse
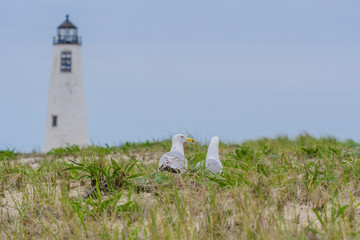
[66, 122]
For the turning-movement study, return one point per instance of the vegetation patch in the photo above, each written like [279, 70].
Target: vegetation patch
[281, 188]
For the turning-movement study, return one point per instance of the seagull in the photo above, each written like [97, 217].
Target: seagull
[175, 161]
[212, 162]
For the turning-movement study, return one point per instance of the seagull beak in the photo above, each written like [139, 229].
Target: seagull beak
[190, 140]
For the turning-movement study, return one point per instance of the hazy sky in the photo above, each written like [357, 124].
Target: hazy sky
[239, 69]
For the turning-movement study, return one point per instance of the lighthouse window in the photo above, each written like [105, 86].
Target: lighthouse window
[65, 61]
[54, 120]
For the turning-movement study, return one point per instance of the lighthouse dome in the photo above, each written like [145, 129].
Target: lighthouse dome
[67, 24]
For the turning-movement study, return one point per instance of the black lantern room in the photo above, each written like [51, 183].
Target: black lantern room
[67, 33]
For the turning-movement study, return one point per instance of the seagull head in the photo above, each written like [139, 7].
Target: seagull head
[213, 150]
[181, 138]
[215, 140]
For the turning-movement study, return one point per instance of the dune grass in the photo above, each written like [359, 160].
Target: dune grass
[302, 188]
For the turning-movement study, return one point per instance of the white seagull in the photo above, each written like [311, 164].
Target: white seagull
[212, 162]
[175, 161]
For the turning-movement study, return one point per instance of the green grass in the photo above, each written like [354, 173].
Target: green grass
[281, 188]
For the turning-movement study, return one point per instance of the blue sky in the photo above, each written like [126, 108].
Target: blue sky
[237, 69]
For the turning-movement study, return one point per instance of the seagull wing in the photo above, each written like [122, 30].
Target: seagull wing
[173, 162]
[213, 166]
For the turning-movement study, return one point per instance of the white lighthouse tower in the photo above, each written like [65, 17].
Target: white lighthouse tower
[66, 122]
